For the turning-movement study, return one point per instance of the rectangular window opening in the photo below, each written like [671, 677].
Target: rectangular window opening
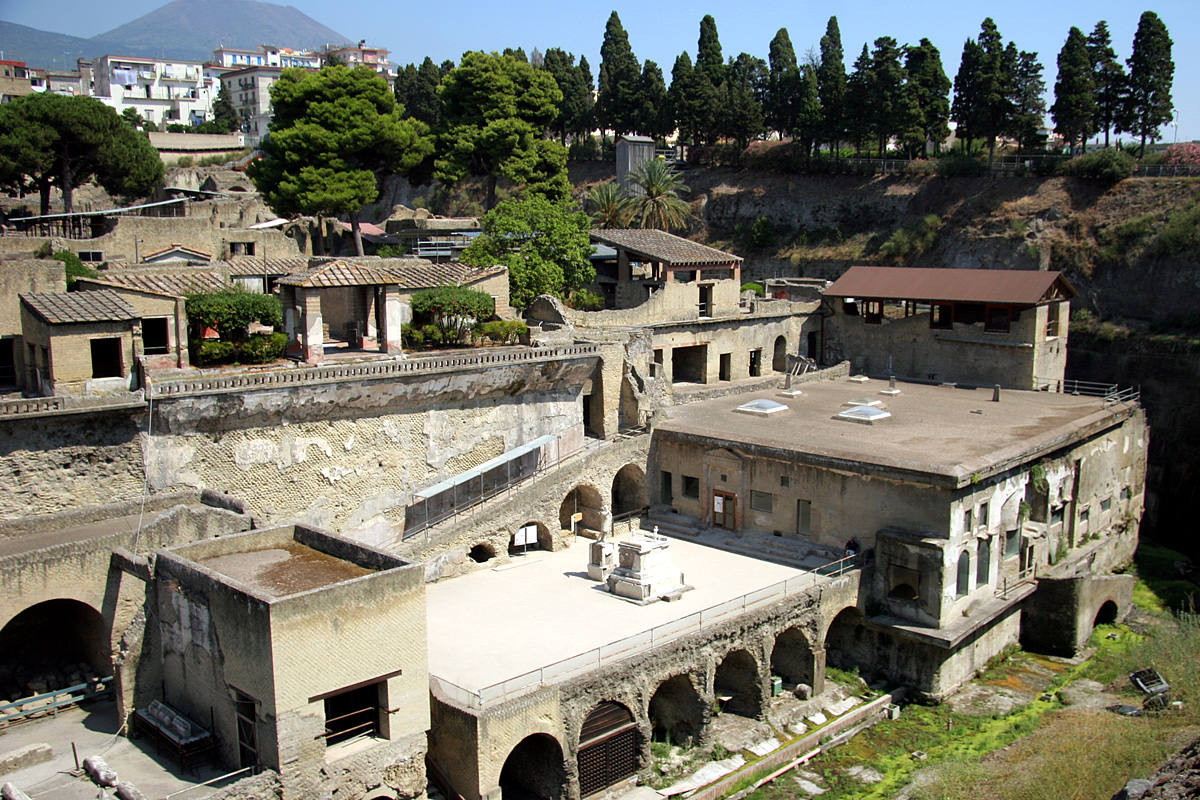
[106, 358]
[1012, 542]
[155, 338]
[873, 311]
[999, 319]
[942, 316]
[803, 517]
[352, 714]
[666, 496]
[761, 501]
[691, 487]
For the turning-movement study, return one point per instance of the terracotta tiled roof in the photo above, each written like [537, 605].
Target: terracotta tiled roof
[667, 248]
[170, 284]
[102, 305]
[1009, 286]
[340, 273]
[257, 265]
[180, 249]
[417, 273]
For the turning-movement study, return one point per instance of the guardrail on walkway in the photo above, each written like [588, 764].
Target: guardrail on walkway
[1111, 392]
[637, 643]
[52, 701]
[376, 370]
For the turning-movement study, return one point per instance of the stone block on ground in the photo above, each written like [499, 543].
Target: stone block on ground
[764, 747]
[27, 756]
[10, 792]
[864, 774]
[99, 771]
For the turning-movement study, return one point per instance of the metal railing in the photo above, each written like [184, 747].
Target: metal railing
[210, 784]
[1111, 392]
[1023, 578]
[52, 701]
[291, 377]
[637, 643]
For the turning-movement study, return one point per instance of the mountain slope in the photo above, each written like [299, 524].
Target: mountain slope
[48, 50]
[192, 28]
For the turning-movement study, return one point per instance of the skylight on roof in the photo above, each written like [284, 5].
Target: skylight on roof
[866, 415]
[864, 401]
[762, 407]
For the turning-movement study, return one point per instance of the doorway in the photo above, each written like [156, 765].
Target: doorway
[724, 506]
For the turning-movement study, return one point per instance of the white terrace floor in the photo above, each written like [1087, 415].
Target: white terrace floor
[496, 624]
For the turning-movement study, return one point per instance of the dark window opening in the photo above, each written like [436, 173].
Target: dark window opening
[849, 307]
[691, 487]
[155, 339]
[942, 316]
[755, 363]
[873, 311]
[665, 494]
[999, 319]
[1125, 493]
[726, 362]
[8, 363]
[785, 481]
[1012, 542]
[903, 591]
[106, 358]
[241, 248]
[1056, 515]
[1106, 504]
[246, 715]
[964, 575]
[352, 714]
[1052, 320]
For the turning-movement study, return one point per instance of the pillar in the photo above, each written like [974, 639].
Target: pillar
[393, 320]
[312, 349]
[818, 669]
[181, 337]
[624, 272]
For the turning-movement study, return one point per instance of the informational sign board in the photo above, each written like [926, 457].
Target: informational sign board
[577, 516]
[525, 536]
[718, 504]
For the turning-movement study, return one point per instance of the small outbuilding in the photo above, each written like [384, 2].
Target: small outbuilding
[80, 342]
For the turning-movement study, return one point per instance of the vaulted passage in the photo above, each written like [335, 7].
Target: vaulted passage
[584, 500]
[676, 711]
[50, 646]
[628, 489]
[1106, 614]
[737, 684]
[848, 645]
[792, 659]
[534, 770]
[608, 748]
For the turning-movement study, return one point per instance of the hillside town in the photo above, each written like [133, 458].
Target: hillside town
[351, 449]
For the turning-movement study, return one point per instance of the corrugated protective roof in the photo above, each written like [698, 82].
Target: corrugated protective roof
[1010, 286]
[667, 248]
[102, 305]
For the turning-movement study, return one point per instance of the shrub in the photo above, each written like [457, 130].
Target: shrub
[208, 353]
[262, 348]
[230, 313]
[957, 165]
[389, 251]
[452, 310]
[761, 233]
[502, 331]
[585, 300]
[75, 268]
[585, 149]
[912, 240]
[757, 288]
[921, 166]
[1180, 234]
[411, 337]
[1186, 154]
[1109, 165]
[433, 335]
[44, 250]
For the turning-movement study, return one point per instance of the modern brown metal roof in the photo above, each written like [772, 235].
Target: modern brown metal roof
[671, 250]
[1008, 286]
[102, 305]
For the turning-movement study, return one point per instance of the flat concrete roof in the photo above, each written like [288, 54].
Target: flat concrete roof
[943, 435]
[496, 624]
[281, 571]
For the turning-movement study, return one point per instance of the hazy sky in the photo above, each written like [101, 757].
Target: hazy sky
[661, 30]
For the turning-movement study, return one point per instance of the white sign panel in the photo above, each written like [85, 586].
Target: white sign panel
[526, 536]
[718, 504]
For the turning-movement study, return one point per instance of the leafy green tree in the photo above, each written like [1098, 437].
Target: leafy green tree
[930, 88]
[518, 54]
[496, 110]
[334, 135]
[740, 108]
[454, 310]
[708, 51]
[1028, 99]
[654, 113]
[1151, 74]
[783, 85]
[135, 120]
[608, 206]
[58, 141]
[585, 122]
[545, 245]
[1074, 108]
[416, 91]
[575, 108]
[832, 85]
[619, 82]
[1108, 78]
[224, 115]
[229, 312]
[658, 203]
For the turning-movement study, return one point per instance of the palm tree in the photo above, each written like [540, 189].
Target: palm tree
[658, 204]
[607, 206]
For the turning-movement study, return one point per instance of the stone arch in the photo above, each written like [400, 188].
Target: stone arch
[737, 679]
[608, 747]
[779, 354]
[847, 643]
[963, 584]
[792, 657]
[48, 641]
[676, 711]
[587, 500]
[1107, 613]
[544, 538]
[534, 770]
[628, 489]
[482, 552]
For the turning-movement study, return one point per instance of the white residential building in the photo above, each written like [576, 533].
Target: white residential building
[250, 92]
[266, 56]
[160, 90]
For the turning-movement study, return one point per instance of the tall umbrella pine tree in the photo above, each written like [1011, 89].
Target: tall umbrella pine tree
[1151, 72]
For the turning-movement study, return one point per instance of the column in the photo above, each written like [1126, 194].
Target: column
[393, 320]
[818, 669]
[312, 333]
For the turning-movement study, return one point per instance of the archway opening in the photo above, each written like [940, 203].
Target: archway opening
[482, 553]
[737, 684]
[586, 501]
[1106, 614]
[779, 355]
[848, 645]
[903, 591]
[676, 712]
[608, 747]
[531, 536]
[628, 490]
[792, 658]
[534, 770]
[52, 645]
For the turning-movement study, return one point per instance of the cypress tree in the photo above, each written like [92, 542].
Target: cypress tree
[783, 84]
[1151, 73]
[654, 118]
[586, 119]
[684, 99]
[831, 85]
[1029, 104]
[857, 109]
[806, 111]
[741, 95]
[620, 78]
[708, 51]
[885, 82]
[1074, 108]
[929, 88]
[1108, 78]
[964, 110]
